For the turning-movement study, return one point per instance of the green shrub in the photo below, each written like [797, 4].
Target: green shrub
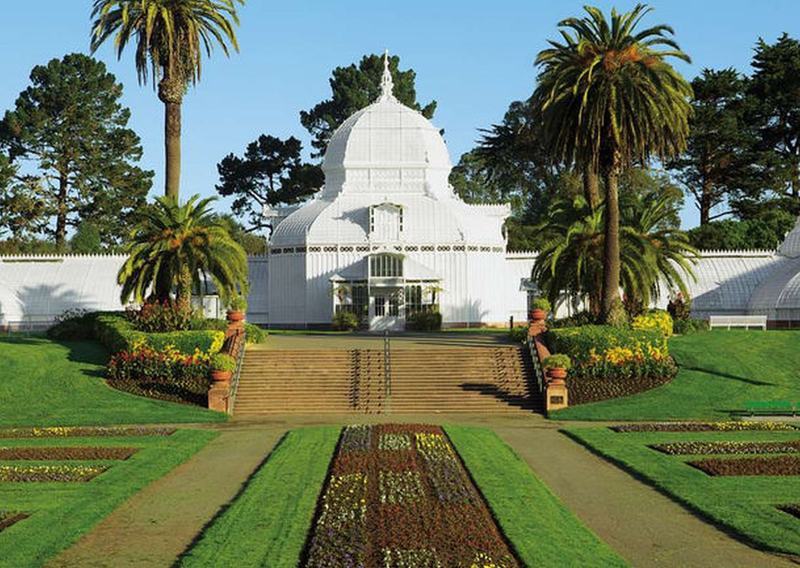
[541, 304]
[117, 334]
[689, 326]
[73, 325]
[657, 320]
[160, 317]
[679, 307]
[424, 321]
[518, 334]
[575, 320]
[223, 362]
[558, 361]
[345, 321]
[237, 304]
[254, 333]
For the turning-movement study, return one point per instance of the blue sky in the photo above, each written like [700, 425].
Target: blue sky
[474, 57]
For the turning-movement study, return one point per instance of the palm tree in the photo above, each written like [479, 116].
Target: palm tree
[653, 254]
[609, 98]
[171, 37]
[175, 247]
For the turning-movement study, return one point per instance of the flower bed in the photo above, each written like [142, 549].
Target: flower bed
[65, 453]
[8, 518]
[582, 391]
[398, 496]
[777, 465]
[711, 448]
[49, 473]
[86, 432]
[731, 426]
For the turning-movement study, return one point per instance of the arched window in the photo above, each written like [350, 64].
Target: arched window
[386, 266]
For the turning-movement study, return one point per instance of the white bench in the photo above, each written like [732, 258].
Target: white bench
[737, 321]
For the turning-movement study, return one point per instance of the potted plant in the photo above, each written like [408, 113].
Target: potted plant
[557, 366]
[539, 309]
[222, 367]
[236, 309]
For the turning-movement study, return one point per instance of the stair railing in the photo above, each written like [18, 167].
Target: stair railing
[538, 370]
[236, 348]
[387, 372]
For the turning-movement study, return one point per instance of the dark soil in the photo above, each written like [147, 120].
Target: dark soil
[192, 392]
[8, 518]
[793, 510]
[582, 391]
[779, 465]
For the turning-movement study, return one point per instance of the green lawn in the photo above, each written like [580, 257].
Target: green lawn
[743, 505]
[266, 525]
[60, 513]
[542, 530]
[719, 372]
[46, 383]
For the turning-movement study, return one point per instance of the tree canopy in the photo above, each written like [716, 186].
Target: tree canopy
[71, 154]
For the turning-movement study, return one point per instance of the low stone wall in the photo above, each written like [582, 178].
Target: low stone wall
[582, 391]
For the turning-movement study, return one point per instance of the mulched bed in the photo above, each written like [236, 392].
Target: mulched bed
[793, 510]
[86, 432]
[8, 518]
[778, 465]
[398, 496]
[63, 454]
[191, 392]
[708, 448]
[49, 473]
[733, 426]
[582, 391]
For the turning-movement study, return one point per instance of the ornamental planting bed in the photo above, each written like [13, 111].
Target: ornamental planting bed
[731, 426]
[777, 465]
[711, 448]
[50, 473]
[8, 518]
[398, 496]
[66, 453]
[85, 432]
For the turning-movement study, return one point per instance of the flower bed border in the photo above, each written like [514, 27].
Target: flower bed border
[50, 473]
[729, 426]
[85, 432]
[727, 447]
[779, 466]
[583, 391]
[65, 453]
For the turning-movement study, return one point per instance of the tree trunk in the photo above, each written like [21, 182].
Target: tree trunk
[184, 291]
[172, 143]
[591, 186]
[61, 211]
[705, 204]
[611, 254]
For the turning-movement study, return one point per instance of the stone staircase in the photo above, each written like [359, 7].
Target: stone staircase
[468, 379]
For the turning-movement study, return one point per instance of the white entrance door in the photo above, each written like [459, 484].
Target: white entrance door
[386, 312]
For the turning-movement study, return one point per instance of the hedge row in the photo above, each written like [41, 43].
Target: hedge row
[117, 334]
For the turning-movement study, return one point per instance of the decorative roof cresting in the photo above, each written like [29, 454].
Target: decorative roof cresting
[387, 84]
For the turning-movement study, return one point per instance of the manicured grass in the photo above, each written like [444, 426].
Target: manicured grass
[267, 523]
[47, 383]
[719, 372]
[60, 513]
[542, 530]
[745, 506]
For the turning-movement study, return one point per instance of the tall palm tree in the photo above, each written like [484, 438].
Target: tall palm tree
[653, 254]
[171, 37]
[175, 247]
[609, 98]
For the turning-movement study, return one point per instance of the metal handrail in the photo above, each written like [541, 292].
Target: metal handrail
[241, 336]
[538, 370]
[387, 372]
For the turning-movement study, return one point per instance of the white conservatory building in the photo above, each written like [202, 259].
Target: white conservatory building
[386, 237]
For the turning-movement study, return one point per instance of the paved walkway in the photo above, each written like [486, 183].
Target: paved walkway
[648, 529]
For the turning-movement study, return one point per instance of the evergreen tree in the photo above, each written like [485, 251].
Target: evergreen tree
[353, 88]
[68, 132]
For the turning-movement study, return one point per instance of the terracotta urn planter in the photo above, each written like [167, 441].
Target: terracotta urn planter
[235, 316]
[221, 376]
[538, 315]
[557, 374]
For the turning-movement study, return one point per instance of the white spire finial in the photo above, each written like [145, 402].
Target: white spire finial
[387, 85]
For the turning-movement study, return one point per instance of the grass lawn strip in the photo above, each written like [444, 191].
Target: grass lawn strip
[60, 513]
[773, 465]
[719, 372]
[723, 448]
[404, 500]
[541, 529]
[66, 453]
[61, 383]
[746, 506]
[267, 523]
